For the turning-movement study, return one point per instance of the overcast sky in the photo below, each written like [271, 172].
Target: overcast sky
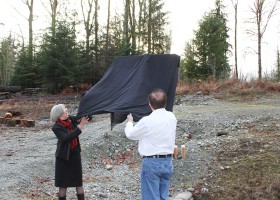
[184, 17]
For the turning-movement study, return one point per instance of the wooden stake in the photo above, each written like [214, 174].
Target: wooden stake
[175, 155]
[183, 151]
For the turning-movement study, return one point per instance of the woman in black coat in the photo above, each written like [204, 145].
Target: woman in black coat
[68, 165]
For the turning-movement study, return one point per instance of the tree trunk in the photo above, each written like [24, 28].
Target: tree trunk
[235, 5]
[133, 28]
[140, 24]
[7, 61]
[30, 27]
[96, 41]
[260, 58]
[278, 65]
[87, 24]
[107, 34]
[259, 20]
[150, 26]
[126, 27]
[54, 5]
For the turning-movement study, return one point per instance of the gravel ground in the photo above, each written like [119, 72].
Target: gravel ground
[111, 164]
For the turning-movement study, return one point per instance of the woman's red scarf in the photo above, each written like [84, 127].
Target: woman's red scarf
[68, 125]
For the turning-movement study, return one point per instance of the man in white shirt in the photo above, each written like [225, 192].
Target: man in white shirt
[156, 135]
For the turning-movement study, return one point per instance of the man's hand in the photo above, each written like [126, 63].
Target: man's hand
[129, 118]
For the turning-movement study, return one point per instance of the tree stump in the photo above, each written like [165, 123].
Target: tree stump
[10, 122]
[30, 123]
[23, 122]
[2, 120]
[17, 121]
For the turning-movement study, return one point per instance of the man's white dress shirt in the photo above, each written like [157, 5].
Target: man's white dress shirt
[156, 133]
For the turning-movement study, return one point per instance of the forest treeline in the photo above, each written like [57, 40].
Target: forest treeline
[65, 55]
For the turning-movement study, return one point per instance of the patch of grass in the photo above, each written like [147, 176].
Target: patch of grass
[229, 89]
[258, 169]
[250, 178]
[251, 171]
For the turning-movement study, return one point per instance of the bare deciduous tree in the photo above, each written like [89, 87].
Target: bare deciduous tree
[278, 65]
[7, 60]
[54, 4]
[263, 11]
[129, 27]
[87, 19]
[235, 5]
[30, 4]
[53, 13]
[126, 31]
[132, 18]
[150, 27]
[141, 24]
[108, 26]
[96, 38]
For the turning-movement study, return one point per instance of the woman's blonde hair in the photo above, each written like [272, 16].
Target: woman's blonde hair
[56, 112]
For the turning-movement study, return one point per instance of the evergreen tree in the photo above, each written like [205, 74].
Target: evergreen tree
[211, 48]
[59, 59]
[26, 75]
[188, 64]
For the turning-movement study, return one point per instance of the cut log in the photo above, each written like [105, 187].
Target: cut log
[23, 122]
[32, 91]
[17, 121]
[2, 120]
[5, 95]
[15, 113]
[30, 123]
[10, 122]
[8, 115]
[10, 88]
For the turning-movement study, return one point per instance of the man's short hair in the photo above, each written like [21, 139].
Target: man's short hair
[157, 98]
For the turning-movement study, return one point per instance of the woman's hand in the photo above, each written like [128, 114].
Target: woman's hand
[83, 122]
[129, 118]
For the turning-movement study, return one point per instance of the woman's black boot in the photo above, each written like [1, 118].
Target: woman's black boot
[81, 196]
[62, 198]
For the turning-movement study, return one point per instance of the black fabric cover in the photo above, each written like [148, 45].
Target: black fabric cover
[126, 85]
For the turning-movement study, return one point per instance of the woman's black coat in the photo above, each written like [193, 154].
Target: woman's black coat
[65, 138]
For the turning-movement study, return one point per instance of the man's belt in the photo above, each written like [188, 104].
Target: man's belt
[158, 156]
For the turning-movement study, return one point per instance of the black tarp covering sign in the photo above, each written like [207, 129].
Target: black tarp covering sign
[125, 87]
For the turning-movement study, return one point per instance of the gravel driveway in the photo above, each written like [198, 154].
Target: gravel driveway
[111, 162]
